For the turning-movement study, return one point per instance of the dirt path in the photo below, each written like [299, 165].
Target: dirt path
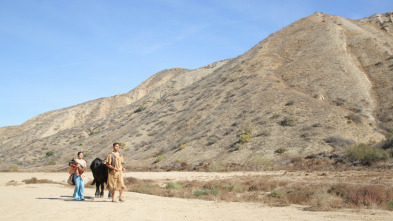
[54, 202]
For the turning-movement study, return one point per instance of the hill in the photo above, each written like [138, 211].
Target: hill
[319, 85]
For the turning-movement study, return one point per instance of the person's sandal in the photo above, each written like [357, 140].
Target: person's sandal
[121, 200]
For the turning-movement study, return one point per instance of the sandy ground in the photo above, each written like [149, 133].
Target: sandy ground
[54, 202]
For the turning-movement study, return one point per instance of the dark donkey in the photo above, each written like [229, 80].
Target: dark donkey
[100, 174]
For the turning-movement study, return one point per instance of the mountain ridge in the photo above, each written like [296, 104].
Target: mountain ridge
[319, 78]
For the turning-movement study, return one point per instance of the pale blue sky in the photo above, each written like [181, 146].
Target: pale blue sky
[59, 53]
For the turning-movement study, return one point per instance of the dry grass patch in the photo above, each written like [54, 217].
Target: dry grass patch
[34, 180]
[267, 190]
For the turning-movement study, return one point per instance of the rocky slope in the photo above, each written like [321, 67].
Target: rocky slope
[318, 85]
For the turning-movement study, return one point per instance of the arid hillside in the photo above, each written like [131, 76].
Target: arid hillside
[318, 85]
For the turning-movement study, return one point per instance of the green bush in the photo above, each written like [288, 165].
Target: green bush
[246, 136]
[199, 192]
[214, 191]
[228, 187]
[276, 193]
[366, 154]
[159, 158]
[182, 146]
[49, 153]
[173, 186]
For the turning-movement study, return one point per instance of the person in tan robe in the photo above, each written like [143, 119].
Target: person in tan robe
[115, 173]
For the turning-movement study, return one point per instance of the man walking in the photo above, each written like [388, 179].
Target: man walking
[114, 162]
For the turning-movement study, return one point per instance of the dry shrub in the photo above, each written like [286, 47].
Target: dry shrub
[311, 164]
[273, 192]
[301, 197]
[370, 196]
[289, 121]
[337, 141]
[34, 180]
[301, 193]
[261, 184]
[340, 190]
[322, 200]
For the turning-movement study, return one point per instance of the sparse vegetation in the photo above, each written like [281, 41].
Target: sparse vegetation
[173, 186]
[281, 150]
[273, 192]
[49, 153]
[182, 146]
[290, 103]
[388, 143]
[260, 161]
[338, 141]
[13, 168]
[390, 205]
[87, 154]
[246, 136]
[183, 143]
[159, 158]
[214, 191]
[140, 109]
[354, 118]
[276, 193]
[264, 133]
[199, 192]
[216, 167]
[50, 162]
[289, 121]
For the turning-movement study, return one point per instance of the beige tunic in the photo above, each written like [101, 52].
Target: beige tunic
[115, 178]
